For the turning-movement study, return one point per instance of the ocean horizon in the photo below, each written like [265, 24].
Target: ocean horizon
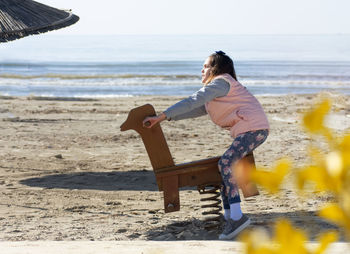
[134, 65]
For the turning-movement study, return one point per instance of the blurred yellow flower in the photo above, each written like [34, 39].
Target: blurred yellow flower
[291, 240]
[314, 120]
[258, 242]
[334, 164]
[336, 214]
[286, 240]
[326, 239]
[320, 177]
[344, 147]
[271, 180]
[328, 170]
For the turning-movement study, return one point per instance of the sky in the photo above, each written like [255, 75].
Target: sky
[207, 16]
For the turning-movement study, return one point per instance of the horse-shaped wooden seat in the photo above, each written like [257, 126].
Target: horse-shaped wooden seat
[171, 177]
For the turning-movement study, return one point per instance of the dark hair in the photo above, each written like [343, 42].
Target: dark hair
[221, 63]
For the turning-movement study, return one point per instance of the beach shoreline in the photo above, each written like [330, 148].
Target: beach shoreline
[68, 173]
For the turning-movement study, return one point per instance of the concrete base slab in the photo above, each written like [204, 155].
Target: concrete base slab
[138, 247]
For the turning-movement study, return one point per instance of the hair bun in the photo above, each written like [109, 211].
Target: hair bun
[221, 53]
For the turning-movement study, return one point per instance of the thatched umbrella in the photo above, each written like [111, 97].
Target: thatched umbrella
[20, 18]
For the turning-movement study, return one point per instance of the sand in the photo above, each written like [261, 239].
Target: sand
[67, 172]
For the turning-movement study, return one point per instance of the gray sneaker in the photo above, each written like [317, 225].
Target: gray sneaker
[232, 228]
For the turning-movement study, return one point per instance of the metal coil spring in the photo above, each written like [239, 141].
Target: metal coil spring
[212, 205]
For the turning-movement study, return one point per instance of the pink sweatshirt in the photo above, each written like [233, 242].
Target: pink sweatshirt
[239, 111]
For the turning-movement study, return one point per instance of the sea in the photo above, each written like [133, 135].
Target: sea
[94, 66]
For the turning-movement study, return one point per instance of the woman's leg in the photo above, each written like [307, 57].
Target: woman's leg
[241, 146]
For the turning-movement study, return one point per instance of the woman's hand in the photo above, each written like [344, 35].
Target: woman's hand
[150, 121]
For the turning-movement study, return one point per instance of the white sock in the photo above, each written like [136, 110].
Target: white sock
[236, 212]
[227, 214]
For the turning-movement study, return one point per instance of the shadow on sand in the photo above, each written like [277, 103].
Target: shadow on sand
[107, 181]
[194, 229]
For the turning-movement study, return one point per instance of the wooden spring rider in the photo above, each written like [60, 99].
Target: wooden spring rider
[171, 177]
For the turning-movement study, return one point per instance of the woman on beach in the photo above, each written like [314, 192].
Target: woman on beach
[231, 106]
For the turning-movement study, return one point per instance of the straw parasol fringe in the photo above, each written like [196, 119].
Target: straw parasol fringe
[20, 18]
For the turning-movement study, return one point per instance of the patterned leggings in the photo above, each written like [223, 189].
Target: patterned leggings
[241, 146]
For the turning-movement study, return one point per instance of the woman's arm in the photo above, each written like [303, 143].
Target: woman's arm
[188, 108]
[196, 112]
[193, 106]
